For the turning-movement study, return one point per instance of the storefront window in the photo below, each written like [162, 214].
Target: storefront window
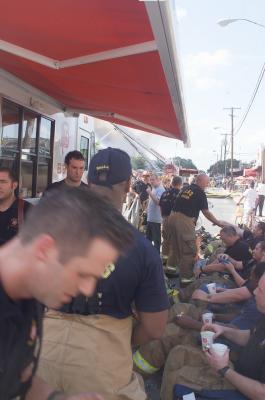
[42, 179]
[29, 132]
[9, 130]
[45, 137]
[26, 147]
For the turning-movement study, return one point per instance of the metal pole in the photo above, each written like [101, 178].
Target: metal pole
[232, 142]
[225, 154]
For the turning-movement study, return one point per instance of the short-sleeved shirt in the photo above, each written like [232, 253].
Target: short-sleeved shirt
[9, 223]
[20, 338]
[248, 316]
[239, 251]
[251, 362]
[248, 266]
[136, 280]
[167, 201]
[190, 201]
[140, 188]
[153, 210]
[251, 196]
[61, 185]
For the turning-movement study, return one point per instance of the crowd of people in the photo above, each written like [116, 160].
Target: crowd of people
[85, 305]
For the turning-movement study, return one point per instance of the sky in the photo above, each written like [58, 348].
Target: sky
[220, 68]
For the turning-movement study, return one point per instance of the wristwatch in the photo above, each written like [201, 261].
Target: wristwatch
[223, 371]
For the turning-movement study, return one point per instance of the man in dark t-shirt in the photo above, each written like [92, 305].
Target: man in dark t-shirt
[12, 209]
[141, 185]
[100, 330]
[49, 263]
[75, 165]
[182, 239]
[166, 203]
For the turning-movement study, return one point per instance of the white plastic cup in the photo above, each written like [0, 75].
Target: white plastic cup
[207, 339]
[207, 318]
[219, 349]
[211, 288]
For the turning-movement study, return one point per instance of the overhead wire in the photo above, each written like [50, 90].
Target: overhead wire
[261, 75]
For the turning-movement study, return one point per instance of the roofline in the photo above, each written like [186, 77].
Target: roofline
[161, 20]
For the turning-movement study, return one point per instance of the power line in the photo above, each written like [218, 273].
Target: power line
[252, 99]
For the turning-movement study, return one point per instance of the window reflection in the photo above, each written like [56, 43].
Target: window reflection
[10, 129]
[45, 137]
[26, 147]
[29, 131]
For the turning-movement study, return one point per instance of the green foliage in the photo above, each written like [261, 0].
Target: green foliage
[218, 168]
[138, 162]
[184, 163]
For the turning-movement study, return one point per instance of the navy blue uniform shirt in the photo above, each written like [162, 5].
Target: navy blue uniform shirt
[137, 279]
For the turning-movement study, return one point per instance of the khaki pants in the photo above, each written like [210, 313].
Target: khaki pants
[187, 365]
[152, 356]
[89, 354]
[165, 237]
[182, 243]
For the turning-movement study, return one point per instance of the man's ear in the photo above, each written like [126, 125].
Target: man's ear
[44, 246]
[14, 185]
[127, 185]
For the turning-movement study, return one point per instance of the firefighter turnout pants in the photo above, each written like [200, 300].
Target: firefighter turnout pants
[182, 244]
[89, 354]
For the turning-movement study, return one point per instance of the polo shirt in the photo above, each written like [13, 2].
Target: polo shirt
[9, 221]
[251, 362]
[190, 201]
[136, 280]
[167, 201]
[20, 338]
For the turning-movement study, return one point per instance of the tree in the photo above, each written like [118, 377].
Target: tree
[218, 168]
[184, 163]
[138, 162]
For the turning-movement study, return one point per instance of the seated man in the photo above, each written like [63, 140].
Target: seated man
[255, 236]
[188, 366]
[236, 249]
[251, 237]
[184, 323]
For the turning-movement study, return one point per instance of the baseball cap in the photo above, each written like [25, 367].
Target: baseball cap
[109, 167]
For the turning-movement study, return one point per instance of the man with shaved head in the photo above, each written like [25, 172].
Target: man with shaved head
[182, 239]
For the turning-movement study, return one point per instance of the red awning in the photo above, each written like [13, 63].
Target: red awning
[250, 173]
[114, 59]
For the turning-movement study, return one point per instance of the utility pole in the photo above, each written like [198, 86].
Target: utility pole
[232, 141]
[225, 145]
